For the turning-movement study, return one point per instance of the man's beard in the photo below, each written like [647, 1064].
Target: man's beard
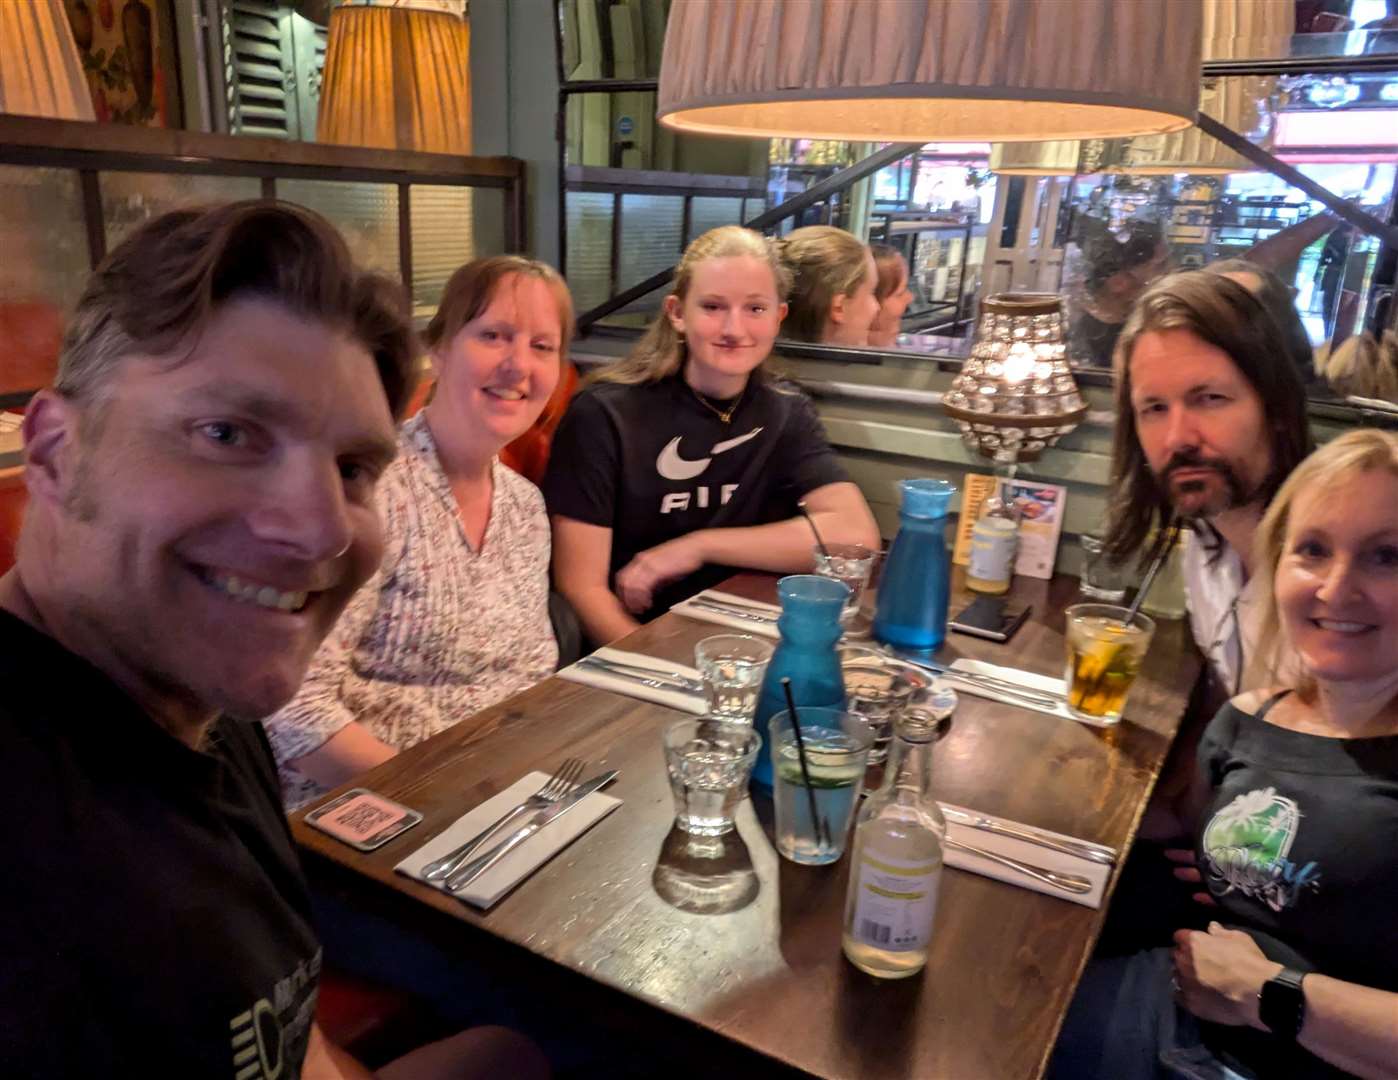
[1235, 493]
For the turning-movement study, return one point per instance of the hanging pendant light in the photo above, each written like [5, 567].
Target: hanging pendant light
[41, 73]
[930, 70]
[397, 76]
[1247, 104]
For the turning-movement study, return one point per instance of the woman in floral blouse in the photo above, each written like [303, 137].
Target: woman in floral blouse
[456, 618]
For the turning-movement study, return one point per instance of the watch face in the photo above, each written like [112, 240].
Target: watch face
[1283, 1004]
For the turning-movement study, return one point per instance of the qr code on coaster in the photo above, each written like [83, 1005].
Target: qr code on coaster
[362, 819]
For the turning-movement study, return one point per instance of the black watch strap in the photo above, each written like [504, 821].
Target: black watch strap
[1282, 1004]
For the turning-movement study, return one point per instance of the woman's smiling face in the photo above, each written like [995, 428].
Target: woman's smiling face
[1337, 580]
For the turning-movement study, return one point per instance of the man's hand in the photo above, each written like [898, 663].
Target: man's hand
[1220, 973]
[1187, 869]
[653, 569]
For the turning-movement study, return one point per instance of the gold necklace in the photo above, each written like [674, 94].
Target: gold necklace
[725, 415]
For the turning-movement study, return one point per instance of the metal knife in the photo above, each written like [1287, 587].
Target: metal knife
[481, 864]
[1067, 882]
[1002, 687]
[1080, 848]
[750, 614]
[679, 681]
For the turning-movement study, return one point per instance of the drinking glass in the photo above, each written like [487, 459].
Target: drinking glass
[732, 667]
[837, 751]
[1104, 656]
[1101, 578]
[709, 762]
[877, 692]
[851, 564]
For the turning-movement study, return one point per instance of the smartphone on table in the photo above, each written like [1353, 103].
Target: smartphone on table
[989, 617]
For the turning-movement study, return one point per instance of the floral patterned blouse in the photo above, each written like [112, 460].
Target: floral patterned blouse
[441, 631]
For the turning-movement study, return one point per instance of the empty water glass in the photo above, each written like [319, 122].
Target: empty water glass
[878, 692]
[1101, 578]
[732, 667]
[709, 762]
[851, 564]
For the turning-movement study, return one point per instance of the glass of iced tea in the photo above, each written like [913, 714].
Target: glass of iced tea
[1104, 655]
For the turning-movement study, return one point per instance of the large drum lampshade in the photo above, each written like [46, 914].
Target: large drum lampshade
[931, 70]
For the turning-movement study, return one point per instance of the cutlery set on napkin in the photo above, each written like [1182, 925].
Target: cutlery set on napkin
[449, 861]
[486, 852]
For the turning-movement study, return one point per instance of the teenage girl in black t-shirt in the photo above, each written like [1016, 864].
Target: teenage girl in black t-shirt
[685, 456]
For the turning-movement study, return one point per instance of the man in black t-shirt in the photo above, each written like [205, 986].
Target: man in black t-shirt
[655, 461]
[201, 483]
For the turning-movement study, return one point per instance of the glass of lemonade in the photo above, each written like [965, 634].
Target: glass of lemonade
[732, 667]
[851, 564]
[837, 751]
[709, 761]
[1104, 656]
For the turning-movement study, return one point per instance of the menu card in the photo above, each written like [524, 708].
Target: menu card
[1041, 522]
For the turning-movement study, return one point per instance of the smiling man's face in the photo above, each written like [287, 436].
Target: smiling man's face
[216, 513]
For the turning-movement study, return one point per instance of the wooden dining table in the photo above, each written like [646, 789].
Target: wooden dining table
[769, 979]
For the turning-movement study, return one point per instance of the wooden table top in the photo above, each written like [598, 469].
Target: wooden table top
[1004, 961]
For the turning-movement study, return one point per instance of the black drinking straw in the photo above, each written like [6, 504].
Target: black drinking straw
[817, 822]
[811, 522]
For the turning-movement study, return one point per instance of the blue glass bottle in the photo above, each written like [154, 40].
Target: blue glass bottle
[916, 579]
[810, 629]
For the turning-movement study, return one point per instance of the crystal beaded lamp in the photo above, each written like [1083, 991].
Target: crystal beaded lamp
[1015, 394]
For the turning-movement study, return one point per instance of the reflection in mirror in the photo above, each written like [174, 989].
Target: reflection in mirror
[892, 293]
[833, 278]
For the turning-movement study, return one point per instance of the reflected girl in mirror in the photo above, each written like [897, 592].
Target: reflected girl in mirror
[893, 294]
[832, 291]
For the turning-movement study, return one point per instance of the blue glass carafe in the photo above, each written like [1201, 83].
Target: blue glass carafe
[916, 580]
[810, 630]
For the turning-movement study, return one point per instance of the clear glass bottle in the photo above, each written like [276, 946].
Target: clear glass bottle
[994, 545]
[896, 865]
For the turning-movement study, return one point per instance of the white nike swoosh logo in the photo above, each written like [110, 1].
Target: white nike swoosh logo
[674, 467]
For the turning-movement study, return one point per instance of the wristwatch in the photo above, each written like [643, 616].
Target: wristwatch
[1282, 1004]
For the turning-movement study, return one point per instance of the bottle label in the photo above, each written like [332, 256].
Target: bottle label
[895, 902]
[992, 551]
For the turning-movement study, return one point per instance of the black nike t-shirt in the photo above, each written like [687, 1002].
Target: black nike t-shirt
[155, 922]
[652, 462]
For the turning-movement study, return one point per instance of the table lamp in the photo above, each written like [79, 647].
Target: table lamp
[1015, 394]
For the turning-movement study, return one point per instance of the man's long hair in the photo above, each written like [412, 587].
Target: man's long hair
[1221, 312]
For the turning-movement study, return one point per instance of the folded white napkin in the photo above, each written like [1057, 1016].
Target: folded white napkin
[1024, 851]
[1026, 679]
[523, 860]
[684, 700]
[691, 610]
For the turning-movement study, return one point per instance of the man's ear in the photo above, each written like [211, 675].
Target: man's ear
[51, 444]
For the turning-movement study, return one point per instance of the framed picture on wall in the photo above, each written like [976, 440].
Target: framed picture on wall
[129, 55]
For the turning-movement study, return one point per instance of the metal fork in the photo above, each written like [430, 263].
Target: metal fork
[554, 788]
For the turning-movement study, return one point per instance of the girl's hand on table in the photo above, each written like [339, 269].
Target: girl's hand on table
[653, 569]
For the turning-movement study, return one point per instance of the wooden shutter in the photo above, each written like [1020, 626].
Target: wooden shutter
[272, 62]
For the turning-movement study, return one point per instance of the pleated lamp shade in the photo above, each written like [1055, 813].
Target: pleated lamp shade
[930, 70]
[1243, 103]
[40, 71]
[397, 76]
